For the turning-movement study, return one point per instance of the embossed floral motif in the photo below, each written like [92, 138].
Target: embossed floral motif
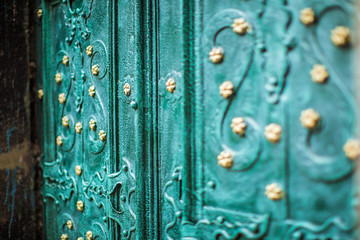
[40, 94]
[89, 50]
[59, 141]
[92, 91]
[80, 206]
[352, 149]
[216, 55]
[64, 237]
[307, 16]
[170, 85]
[273, 132]
[65, 121]
[127, 89]
[309, 118]
[274, 192]
[69, 224]
[78, 170]
[58, 78]
[78, 127]
[319, 73]
[238, 125]
[89, 235]
[240, 26]
[340, 36]
[102, 135]
[62, 98]
[65, 60]
[92, 124]
[225, 159]
[95, 69]
[226, 89]
[39, 13]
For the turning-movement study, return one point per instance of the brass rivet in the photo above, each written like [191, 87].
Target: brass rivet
[40, 94]
[78, 170]
[58, 78]
[62, 98]
[65, 121]
[78, 127]
[64, 237]
[39, 13]
[69, 224]
[102, 135]
[309, 118]
[92, 91]
[352, 149]
[127, 89]
[92, 124]
[59, 141]
[216, 55]
[319, 73]
[65, 60]
[238, 125]
[95, 69]
[340, 36]
[80, 206]
[225, 159]
[89, 50]
[226, 89]
[274, 192]
[89, 235]
[240, 26]
[273, 132]
[170, 85]
[307, 16]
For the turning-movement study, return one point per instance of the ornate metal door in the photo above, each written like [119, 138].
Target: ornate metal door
[198, 119]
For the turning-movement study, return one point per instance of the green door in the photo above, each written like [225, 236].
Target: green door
[198, 119]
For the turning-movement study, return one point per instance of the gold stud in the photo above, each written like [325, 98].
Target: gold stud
[238, 125]
[240, 26]
[64, 237]
[340, 36]
[274, 192]
[95, 69]
[78, 170]
[92, 91]
[307, 16]
[58, 78]
[59, 141]
[89, 50]
[80, 238]
[226, 89]
[309, 118]
[80, 206]
[65, 121]
[102, 135]
[65, 60]
[352, 149]
[62, 98]
[273, 132]
[78, 127]
[92, 124]
[225, 159]
[319, 73]
[39, 13]
[127, 89]
[89, 235]
[69, 224]
[170, 85]
[216, 55]
[40, 94]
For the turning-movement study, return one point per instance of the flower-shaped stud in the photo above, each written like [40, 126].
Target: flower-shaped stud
[64, 237]
[216, 55]
[89, 235]
[226, 89]
[69, 224]
[102, 135]
[273, 132]
[92, 124]
[65, 60]
[274, 192]
[352, 149]
[40, 94]
[170, 85]
[225, 159]
[59, 141]
[240, 26]
[65, 121]
[127, 89]
[39, 13]
[78, 170]
[319, 73]
[309, 118]
[89, 50]
[92, 91]
[58, 78]
[62, 98]
[80, 206]
[307, 16]
[340, 36]
[78, 127]
[95, 69]
[238, 125]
